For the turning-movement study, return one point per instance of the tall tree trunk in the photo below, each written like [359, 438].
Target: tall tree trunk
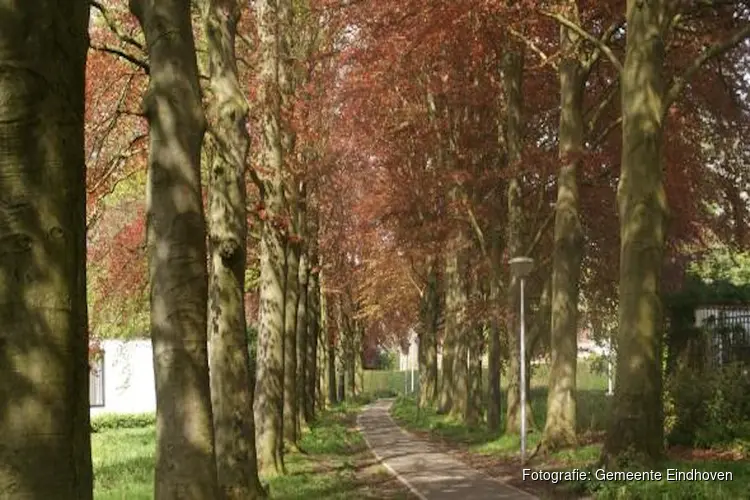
[560, 426]
[291, 192]
[455, 324]
[185, 454]
[290, 339]
[475, 334]
[324, 382]
[231, 380]
[329, 345]
[269, 388]
[474, 403]
[302, 339]
[636, 423]
[494, 361]
[45, 449]
[447, 381]
[312, 367]
[428, 372]
[513, 79]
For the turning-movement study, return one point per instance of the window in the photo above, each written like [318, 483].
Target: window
[96, 380]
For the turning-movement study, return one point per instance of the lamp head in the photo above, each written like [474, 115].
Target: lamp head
[520, 267]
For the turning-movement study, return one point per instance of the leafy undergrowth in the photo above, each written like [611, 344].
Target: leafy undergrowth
[334, 464]
[497, 455]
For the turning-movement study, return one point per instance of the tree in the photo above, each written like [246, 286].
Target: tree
[269, 393]
[636, 428]
[44, 403]
[560, 425]
[232, 383]
[185, 456]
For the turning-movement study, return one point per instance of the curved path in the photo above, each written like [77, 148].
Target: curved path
[429, 474]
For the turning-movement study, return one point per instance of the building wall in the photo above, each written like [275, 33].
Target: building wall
[128, 373]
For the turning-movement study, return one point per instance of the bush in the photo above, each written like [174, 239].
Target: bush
[707, 409]
[112, 421]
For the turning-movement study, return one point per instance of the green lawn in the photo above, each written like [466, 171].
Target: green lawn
[335, 464]
[496, 452]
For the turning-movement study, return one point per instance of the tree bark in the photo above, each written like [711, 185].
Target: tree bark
[45, 449]
[312, 367]
[290, 338]
[232, 383]
[456, 325]
[513, 79]
[428, 372]
[560, 426]
[636, 426]
[185, 454]
[269, 388]
[494, 361]
[302, 339]
[447, 381]
[291, 194]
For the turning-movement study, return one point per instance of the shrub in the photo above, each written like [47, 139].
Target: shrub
[709, 408]
[112, 421]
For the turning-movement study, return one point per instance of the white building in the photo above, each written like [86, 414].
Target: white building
[122, 380]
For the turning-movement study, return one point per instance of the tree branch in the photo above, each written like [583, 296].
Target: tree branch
[124, 55]
[534, 48]
[717, 49]
[539, 234]
[606, 36]
[596, 142]
[599, 110]
[588, 36]
[113, 26]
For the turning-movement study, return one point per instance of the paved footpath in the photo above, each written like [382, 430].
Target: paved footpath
[429, 474]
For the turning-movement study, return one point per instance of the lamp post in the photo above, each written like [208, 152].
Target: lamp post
[520, 267]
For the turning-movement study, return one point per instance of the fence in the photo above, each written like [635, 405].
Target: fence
[729, 334]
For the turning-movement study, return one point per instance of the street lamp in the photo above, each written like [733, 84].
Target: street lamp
[520, 267]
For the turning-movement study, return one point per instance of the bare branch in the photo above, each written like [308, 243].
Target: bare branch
[600, 138]
[603, 47]
[599, 110]
[534, 48]
[124, 55]
[605, 38]
[540, 233]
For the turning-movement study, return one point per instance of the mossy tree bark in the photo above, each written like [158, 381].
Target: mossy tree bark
[45, 449]
[636, 426]
[232, 383]
[185, 454]
[269, 388]
[560, 426]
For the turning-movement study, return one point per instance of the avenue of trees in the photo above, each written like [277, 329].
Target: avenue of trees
[323, 176]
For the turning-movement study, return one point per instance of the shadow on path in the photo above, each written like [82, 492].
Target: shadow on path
[430, 474]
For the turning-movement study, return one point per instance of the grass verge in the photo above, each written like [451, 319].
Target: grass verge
[335, 464]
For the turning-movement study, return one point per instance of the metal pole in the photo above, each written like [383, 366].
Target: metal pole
[523, 375]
